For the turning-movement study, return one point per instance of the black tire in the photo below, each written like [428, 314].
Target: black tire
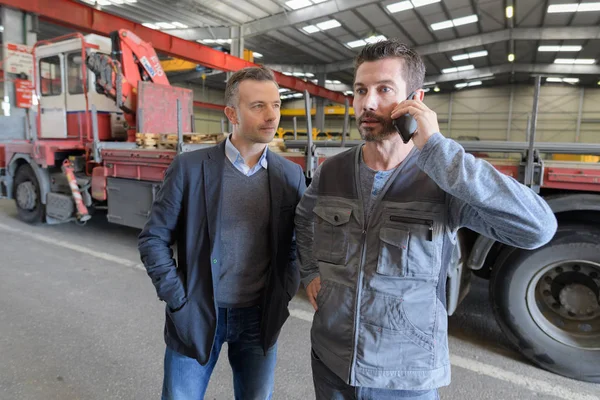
[523, 309]
[28, 197]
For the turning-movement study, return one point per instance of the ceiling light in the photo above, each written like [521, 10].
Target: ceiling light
[1, 28]
[469, 19]
[563, 8]
[442, 25]
[510, 11]
[296, 4]
[165, 25]
[310, 29]
[558, 8]
[375, 39]
[356, 43]
[465, 20]
[559, 48]
[511, 57]
[457, 69]
[349, 92]
[117, 1]
[283, 90]
[180, 25]
[256, 54]
[407, 5]
[318, 1]
[336, 82]
[329, 24]
[598, 83]
[558, 79]
[297, 95]
[426, 90]
[400, 6]
[421, 3]
[436, 89]
[428, 83]
[475, 54]
[150, 25]
[103, 2]
[586, 61]
[130, 1]
[588, 7]
[465, 84]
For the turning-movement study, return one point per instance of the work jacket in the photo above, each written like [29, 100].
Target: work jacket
[381, 319]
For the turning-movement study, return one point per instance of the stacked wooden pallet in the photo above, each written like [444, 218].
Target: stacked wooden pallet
[169, 141]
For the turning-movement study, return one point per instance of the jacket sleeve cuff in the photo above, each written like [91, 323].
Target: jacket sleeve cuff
[308, 279]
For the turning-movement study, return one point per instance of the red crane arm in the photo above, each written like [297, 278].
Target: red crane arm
[132, 60]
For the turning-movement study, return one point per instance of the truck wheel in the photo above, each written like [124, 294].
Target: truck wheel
[546, 302]
[27, 195]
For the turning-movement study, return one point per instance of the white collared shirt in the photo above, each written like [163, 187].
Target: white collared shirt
[238, 161]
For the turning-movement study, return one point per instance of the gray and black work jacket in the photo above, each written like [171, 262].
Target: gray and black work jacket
[381, 319]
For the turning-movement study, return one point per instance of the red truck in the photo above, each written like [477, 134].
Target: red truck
[76, 157]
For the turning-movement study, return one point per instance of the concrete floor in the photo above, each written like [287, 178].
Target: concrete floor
[78, 323]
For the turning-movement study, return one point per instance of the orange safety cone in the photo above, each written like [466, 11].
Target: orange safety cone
[82, 211]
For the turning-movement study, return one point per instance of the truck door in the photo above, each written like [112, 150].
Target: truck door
[53, 98]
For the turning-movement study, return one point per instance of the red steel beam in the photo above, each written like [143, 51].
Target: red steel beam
[210, 106]
[87, 19]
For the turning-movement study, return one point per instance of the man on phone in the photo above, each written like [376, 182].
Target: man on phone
[376, 229]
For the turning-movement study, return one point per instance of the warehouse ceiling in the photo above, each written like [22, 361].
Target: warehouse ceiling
[463, 42]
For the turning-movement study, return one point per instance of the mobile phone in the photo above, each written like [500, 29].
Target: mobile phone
[405, 124]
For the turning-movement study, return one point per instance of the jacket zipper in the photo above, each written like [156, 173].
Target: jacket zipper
[417, 221]
[357, 306]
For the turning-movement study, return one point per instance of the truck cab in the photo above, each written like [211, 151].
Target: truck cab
[66, 88]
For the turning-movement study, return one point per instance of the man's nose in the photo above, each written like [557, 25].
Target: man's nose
[371, 101]
[271, 113]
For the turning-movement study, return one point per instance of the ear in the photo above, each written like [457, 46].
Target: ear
[231, 115]
[419, 94]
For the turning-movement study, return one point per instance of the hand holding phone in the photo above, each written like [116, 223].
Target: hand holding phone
[405, 124]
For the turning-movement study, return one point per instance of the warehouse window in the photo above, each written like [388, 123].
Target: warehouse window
[50, 76]
[74, 73]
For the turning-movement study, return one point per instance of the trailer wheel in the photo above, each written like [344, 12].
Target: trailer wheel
[546, 302]
[27, 195]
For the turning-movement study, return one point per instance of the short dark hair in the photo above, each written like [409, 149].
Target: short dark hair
[414, 68]
[250, 73]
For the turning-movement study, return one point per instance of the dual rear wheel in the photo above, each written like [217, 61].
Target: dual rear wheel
[547, 302]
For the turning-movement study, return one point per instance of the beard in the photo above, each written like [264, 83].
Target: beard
[376, 133]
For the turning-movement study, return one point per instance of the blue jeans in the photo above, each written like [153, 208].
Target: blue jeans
[253, 372]
[328, 386]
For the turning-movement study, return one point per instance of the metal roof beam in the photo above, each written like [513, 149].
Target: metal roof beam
[274, 22]
[87, 19]
[554, 33]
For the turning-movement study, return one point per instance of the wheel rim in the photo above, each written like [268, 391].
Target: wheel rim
[26, 196]
[563, 300]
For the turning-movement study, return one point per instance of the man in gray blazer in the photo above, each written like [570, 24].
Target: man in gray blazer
[230, 210]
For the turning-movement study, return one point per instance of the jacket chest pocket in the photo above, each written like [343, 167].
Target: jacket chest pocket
[331, 234]
[408, 247]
